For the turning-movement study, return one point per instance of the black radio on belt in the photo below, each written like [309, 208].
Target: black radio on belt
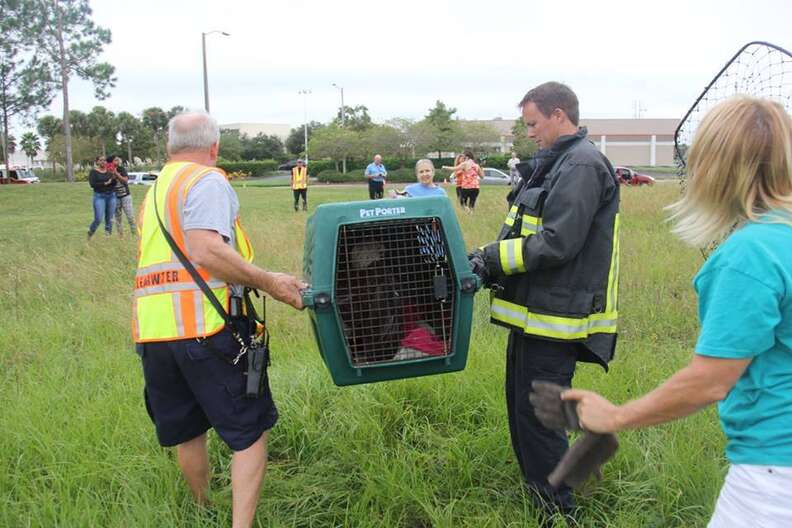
[257, 359]
[235, 306]
[258, 354]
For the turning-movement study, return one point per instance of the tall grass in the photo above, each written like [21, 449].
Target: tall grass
[77, 448]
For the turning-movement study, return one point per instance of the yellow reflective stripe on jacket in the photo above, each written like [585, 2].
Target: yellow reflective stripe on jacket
[530, 225]
[511, 217]
[553, 326]
[612, 302]
[511, 257]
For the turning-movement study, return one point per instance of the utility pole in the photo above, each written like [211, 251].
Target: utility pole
[305, 93]
[205, 76]
[343, 122]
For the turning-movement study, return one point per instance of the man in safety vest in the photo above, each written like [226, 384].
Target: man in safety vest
[191, 361]
[554, 273]
[299, 184]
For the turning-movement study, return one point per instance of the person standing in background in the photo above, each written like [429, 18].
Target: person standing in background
[514, 176]
[123, 196]
[376, 175]
[467, 174]
[104, 198]
[299, 184]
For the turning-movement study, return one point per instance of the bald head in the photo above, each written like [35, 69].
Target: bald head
[193, 131]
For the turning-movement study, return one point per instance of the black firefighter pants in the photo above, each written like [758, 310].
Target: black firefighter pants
[538, 449]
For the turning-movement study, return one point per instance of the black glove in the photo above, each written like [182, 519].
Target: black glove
[479, 266]
[586, 455]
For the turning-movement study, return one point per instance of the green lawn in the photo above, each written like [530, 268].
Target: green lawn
[77, 448]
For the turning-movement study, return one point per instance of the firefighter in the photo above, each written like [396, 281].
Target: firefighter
[299, 184]
[553, 271]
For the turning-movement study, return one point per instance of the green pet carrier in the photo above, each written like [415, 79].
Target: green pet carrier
[391, 292]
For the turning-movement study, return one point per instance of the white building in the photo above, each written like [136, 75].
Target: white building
[254, 129]
[20, 159]
[624, 141]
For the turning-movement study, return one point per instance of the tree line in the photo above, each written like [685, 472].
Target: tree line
[353, 135]
[44, 44]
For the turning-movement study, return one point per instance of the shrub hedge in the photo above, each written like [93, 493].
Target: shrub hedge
[356, 176]
[253, 168]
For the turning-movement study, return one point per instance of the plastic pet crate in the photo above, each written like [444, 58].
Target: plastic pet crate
[391, 289]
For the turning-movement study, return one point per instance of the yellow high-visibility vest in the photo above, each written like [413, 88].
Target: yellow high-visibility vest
[168, 304]
[299, 178]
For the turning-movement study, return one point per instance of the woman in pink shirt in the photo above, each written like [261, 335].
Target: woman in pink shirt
[467, 173]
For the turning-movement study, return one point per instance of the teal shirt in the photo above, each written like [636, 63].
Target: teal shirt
[417, 190]
[745, 308]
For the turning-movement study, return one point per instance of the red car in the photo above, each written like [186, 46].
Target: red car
[630, 177]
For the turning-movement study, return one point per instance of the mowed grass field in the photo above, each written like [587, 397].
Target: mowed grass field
[77, 447]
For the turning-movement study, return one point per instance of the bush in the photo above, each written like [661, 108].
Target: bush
[497, 161]
[315, 167]
[334, 176]
[358, 166]
[253, 168]
[47, 175]
[402, 176]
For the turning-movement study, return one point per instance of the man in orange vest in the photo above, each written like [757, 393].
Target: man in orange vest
[299, 184]
[193, 365]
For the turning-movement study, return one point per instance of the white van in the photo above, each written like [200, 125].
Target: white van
[17, 175]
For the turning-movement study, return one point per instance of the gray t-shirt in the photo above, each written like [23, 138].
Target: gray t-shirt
[212, 204]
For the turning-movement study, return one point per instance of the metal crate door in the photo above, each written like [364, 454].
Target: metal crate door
[394, 291]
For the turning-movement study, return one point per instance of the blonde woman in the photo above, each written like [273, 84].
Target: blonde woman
[740, 174]
[425, 186]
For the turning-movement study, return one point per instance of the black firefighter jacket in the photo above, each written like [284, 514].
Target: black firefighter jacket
[556, 261]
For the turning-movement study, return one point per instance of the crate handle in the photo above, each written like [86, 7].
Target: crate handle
[314, 300]
[471, 284]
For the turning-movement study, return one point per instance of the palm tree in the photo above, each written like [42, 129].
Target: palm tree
[30, 144]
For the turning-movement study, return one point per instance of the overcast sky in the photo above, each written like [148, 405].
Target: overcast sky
[399, 57]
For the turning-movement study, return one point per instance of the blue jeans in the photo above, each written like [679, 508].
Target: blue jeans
[104, 206]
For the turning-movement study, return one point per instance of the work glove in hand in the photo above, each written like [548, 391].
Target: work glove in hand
[591, 450]
[479, 266]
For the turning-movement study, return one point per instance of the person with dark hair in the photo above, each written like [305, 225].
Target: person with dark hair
[123, 196]
[554, 272]
[104, 199]
[468, 173]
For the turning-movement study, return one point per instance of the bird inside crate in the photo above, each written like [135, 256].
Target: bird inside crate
[391, 290]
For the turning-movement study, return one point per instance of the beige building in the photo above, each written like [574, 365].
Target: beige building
[624, 141]
[254, 129]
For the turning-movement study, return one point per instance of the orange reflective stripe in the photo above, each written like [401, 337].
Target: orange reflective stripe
[187, 307]
[172, 203]
[161, 278]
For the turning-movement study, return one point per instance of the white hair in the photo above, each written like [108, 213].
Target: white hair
[192, 130]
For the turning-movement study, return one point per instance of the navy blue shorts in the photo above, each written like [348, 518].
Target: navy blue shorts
[190, 389]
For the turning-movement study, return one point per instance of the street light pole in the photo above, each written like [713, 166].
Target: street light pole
[343, 110]
[205, 76]
[343, 122]
[305, 93]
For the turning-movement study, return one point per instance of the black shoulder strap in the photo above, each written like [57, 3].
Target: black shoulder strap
[189, 267]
